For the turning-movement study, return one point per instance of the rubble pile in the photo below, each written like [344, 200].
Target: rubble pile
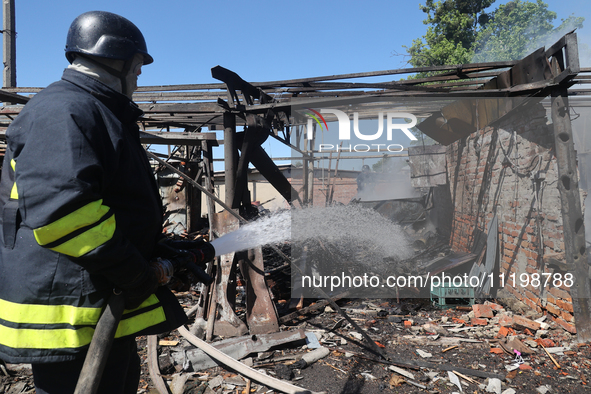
[483, 348]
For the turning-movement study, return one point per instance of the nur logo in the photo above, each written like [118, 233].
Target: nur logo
[345, 124]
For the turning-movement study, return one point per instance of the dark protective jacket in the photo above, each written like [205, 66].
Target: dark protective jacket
[80, 215]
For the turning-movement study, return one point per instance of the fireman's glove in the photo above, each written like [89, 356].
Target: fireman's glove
[164, 269]
[143, 287]
[184, 260]
[203, 252]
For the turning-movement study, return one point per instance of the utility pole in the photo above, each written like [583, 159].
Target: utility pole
[9, 43]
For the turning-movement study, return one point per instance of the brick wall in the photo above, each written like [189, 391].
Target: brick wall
[511, 170]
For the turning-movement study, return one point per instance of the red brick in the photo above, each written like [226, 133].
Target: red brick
[478, 321]
[567, 316]
[506, 321]
[493, 306]
[504, 331]
[568, 327]
[481, 310]
[497, 350]
[553, 309]
[567, 306]
[546, 342]
[525, 367]
[522, 323]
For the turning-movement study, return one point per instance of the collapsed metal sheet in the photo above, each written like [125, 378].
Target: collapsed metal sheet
[237, 348]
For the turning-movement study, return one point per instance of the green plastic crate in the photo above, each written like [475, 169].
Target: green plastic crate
[450, 296]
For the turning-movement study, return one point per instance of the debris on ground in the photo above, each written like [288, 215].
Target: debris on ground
[486, 349]
[488, 346]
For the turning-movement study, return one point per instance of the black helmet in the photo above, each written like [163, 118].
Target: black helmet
[107, 35]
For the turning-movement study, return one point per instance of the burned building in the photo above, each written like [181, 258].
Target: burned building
[509, 183]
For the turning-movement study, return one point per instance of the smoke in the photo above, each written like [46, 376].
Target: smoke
[570, 24]
[584, 40]
[391, 182]
[492, 48]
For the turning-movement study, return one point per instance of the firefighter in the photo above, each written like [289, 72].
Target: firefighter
[81, 215]
[365, 179]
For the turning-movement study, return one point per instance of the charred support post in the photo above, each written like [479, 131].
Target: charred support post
[193, 195]
[221, 310]
[565, 65]
[261, 315]
[9, 43]
[230, 157]
[206, 296]
[222, 319]
[253, 136]
[572, 216]
[207, 164]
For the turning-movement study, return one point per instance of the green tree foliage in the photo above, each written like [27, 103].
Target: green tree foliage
[462, 31]
[518, 28]
[454, 25]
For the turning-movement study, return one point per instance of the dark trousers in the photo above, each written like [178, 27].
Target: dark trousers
[121, 375]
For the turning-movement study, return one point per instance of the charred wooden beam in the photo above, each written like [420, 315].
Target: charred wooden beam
[176, 138]
[230, 157]
[234, 82]
[568, 186]
[8, 97]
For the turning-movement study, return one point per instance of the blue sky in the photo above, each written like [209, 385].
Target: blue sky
[261, 40]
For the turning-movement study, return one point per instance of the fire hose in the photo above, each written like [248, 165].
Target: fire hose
[104, 334]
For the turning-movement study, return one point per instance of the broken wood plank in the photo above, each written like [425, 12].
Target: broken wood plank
[449, 348]
[551, 358]
[402, 372]
[465, 377]
[311, 308]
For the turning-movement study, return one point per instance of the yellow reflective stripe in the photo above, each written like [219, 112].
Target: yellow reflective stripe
[63, 338]
[45, 339]
[88, 240]
[57, 314]
[151, 300]
[60, 338]
[144, 320]
[13, 192]
[139, 322]
[48, 314]
[82, 217]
